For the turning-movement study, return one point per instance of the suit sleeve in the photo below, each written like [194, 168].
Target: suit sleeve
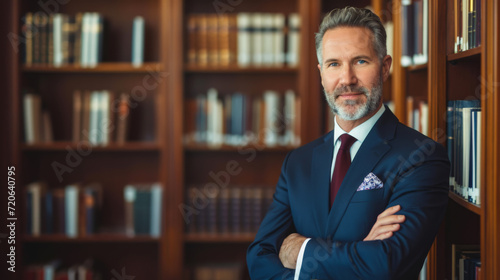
[420, 185]
[263, 254]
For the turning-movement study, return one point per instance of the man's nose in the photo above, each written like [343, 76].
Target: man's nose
[347, 76]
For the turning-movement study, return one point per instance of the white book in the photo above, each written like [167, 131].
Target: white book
[71, 201]
[293, 39]
[95, 101]
[271, 118]
[105, 117]
[212, 116]
[35, 189]
[244, 42]
[156, 209]
[465, 25]
[466, 148]
[473, 187]
[32, 110]
[424, 118]
[138, 41]
[57, 34]
[94, 39]
[290, 118]
[219, 123]
[279, 39]
[257, 39]
[478, 166]
[267, 39]
[85, 41]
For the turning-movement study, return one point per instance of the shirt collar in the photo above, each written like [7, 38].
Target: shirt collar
[361, 131]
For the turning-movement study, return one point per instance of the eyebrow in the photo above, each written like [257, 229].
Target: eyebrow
[358, 57]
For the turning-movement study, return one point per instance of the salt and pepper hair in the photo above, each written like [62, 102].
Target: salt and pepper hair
[353, 17]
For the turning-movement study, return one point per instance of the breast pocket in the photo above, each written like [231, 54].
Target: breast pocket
[368, 195]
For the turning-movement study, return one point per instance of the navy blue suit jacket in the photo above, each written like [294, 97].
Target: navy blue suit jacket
[414, 170]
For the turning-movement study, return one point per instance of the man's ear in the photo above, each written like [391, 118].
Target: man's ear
[386, 66]
[319, 67]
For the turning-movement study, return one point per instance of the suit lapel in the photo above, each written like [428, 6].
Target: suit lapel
[374, 147]
[320, 176]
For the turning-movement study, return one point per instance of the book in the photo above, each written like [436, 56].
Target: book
[245, 25]
[293, 53]
[71, 209]
[138, 27]
[407, 33]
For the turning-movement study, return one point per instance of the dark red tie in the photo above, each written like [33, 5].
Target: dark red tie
[342, 163]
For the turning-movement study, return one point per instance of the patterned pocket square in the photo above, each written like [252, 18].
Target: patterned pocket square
[370, 182]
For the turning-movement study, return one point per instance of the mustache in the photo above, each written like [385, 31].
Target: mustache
[345, 89]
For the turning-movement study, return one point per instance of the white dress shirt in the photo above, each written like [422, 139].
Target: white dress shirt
[359, 132]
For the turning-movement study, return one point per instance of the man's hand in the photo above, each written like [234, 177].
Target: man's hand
[387, 223]
[290, 249]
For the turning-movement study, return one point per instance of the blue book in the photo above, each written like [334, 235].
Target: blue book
[138, 41]
[142, 211]
[49, 213]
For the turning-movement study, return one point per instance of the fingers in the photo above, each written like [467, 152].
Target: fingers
[387, 223]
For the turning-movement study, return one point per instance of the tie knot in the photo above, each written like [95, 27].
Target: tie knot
[346, 141]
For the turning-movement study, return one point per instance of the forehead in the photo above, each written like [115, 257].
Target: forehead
[348, 40]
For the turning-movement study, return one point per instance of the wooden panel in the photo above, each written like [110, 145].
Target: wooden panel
[239, 6]
[490, 141]
[250, 167]
[247, 83]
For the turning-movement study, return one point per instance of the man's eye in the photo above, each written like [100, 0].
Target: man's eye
[362, 61]
[334, 64]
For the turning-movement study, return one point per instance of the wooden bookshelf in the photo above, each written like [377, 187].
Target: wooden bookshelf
[140, 158]
[104, 67]
[459, 76]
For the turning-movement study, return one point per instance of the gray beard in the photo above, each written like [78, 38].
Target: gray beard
[373, 100]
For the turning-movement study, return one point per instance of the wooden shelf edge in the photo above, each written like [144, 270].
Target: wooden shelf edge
[462, 202]
[418, 67]
[229, 148]
[465, 54]
[219, 238]
[63, 146]
[238, 69]
[90, 238]
[104, 67]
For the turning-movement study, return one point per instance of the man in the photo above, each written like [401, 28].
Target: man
[379, 217]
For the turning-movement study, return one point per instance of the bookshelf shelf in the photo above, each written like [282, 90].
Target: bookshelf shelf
[419, 67]
[464, 55]
[228, 148]
[219, 238]
[467, 205]
[63, 146]
[97, 238]
[106, 67]
[238, 69]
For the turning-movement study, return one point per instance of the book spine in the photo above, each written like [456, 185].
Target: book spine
[138, 41]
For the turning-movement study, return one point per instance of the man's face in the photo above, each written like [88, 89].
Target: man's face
[351, 73]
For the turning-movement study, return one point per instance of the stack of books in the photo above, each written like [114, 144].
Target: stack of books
[243, 39]
[232, 210]
[143, 209]
[60, 39]
[72, 210]
[241, 119]
[37, 123]
[414, 32]
[467, 23]
[100, 117]
[464, 148]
